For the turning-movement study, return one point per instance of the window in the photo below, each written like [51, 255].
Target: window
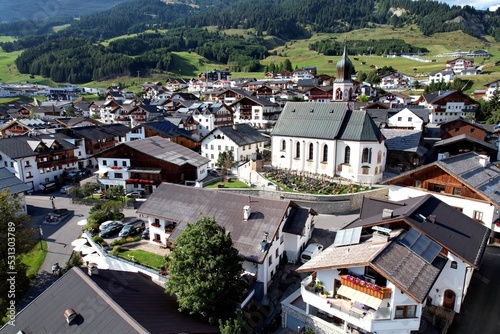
[418, 184]
[115, 163]
[270, 260]
[453, 265]
[277, 253]
[365, 170]
[325, 153]
[478, 215]
[206, 146]
[438, 187]
[218, 147]
[367, 155]
[118, 175]
[457, 191]
[459, 209]
[400, 119]
[472, 130]
[211, 147]
[347, 155]
[410, 119]
[370, 272]
[104, 162]
[124, 163]
[406, 311]
[379, 157]
[297, 150]
[311, 151]
[283, 145]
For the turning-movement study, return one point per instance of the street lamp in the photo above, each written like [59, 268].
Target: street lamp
[52, 198]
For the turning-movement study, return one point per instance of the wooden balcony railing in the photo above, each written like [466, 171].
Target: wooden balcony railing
[52, 162]
[366, 287]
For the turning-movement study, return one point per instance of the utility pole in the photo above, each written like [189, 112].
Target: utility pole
[138, 72]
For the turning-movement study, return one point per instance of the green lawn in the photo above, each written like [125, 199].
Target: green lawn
[34, 258]
[232, 184]
[145, 258]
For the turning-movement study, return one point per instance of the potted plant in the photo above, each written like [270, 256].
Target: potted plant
[325, 293]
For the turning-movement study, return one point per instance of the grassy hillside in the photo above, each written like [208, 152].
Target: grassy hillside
[189, 64]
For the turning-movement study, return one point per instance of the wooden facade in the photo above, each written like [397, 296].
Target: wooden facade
[435, 179]
[169, 172]
[186, 142]
[460, 127]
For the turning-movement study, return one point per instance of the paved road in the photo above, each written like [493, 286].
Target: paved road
[58, 237]
[481, 310]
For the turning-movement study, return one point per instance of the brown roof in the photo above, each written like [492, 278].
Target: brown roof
[187, 205]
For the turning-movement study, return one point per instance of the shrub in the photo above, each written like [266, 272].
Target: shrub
[116, 250]
[75, 261]
[120, 241]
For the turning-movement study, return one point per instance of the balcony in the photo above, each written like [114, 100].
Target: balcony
[105, 144]
[51, 162]
[365, 287]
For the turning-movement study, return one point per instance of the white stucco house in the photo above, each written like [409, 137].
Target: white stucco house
[407, 119]
[445, 76]
[412, 253]
[242, 140]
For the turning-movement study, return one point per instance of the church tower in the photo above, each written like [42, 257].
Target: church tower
[343, 87]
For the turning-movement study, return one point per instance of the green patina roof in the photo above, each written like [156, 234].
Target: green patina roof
[332, 120]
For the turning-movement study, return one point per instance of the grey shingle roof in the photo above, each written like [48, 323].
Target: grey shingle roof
[164, 149]
[402, 140]
[11, 182]
[171, 130]
[332, 120]
[464, 137]
[407, 270]
[187, 205]
[452, 229]
[23, 146]
[468, 168]
[244, 134]
[97, 312]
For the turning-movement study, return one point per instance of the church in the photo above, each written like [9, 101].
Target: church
[330, 138]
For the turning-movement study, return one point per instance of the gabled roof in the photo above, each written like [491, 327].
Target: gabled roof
[74, 121]
[187, 205]
[24, 146]
[465, 137]
[98, 313]
[163, 149]
[9, 181]
[170, 130]
[402, 140]
[240, 134]
[452, 230]
[106, 131]
[257, 100]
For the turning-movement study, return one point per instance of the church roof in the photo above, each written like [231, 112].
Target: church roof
[344, 68]
[332, 120]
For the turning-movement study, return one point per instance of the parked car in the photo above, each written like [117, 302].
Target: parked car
[65, 189]
[132, 228]
[311, 251]
[111, 230]
[74, 174]
[135, 194]
[108, 223]
[145, 234]
[48, 187]
[212, 172]
[85, 172]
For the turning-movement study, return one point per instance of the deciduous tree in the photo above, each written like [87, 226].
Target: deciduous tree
[204, 271]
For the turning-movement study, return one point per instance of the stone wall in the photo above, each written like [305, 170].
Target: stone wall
[325, 204]
[318, 325]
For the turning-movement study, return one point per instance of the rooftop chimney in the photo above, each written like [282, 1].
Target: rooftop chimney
[235, 128]
[247, 211]
[387, 213]
[432, 219]
[70, 315]
[484, 160]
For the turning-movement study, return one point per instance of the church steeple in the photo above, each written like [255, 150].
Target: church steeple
[344, 67]
[343, 87]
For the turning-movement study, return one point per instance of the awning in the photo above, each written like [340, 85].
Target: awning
[359, 296]
[101, 171]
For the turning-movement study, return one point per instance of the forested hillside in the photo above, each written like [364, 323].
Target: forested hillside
[181, 26]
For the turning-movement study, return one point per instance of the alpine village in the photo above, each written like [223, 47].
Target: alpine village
[277, 166]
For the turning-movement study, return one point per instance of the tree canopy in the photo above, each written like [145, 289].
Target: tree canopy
[204, 271]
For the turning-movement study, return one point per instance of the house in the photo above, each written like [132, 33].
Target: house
[264, 231]
[261, 113]
[384, 268]
[328, 138]
[445, 76]
[404, 150]
[16, 187]
[165, 129]
[396, 81]
[318, 94]
[468, 182]
[144, 164]
[448, 105]
[23, 126]
[112, 302]
[71, 122]
[211, 116]
[241, 140]
[408, 118]
[395, 98]
[491, 88]
[38, 159]
[459, 65]
[461, 126]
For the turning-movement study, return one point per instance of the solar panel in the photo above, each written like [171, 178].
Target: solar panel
[421, 245]
[347, 237]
